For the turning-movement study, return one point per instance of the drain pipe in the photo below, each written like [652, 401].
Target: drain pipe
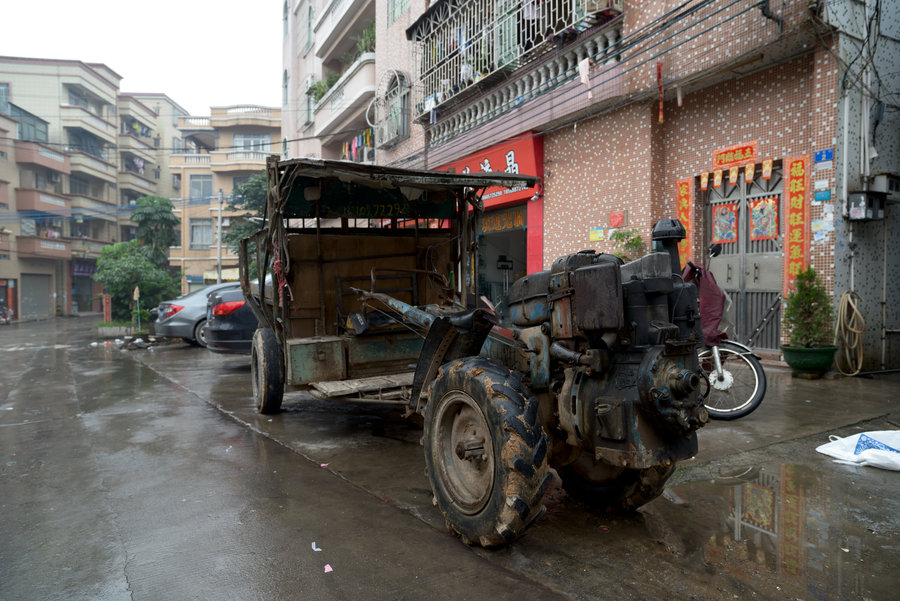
[767, 13]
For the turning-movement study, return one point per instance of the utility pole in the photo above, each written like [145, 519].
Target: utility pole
[219, 239]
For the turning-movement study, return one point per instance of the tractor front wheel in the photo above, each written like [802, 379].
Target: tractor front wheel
[485, 453]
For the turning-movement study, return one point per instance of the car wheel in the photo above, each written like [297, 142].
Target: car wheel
[200, 334]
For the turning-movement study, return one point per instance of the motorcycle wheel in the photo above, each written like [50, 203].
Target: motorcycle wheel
[485, 453]
[743, 383]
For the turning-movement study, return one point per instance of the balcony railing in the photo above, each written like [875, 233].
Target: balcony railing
[41, 201]
[44, 248]
[176, 160]
[461, 42]
[349, 95]
[554, 70]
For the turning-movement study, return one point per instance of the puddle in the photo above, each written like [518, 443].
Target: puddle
[793, 532]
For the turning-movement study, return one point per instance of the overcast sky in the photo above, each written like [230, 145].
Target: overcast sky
[200, 53]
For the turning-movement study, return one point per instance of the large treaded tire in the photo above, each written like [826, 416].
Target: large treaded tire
[626, 491]
[493, 494]
[266, 371]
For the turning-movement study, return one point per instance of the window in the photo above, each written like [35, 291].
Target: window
[309, 113]
[77, 99]
[236, 183]
[30, 128]
[257, 142]
[176, 181]
[309, 36]
[79, 186]
[201, 233]
[201, 188]
[176, 145]
[396, 8]
[286, 15]
[284, 88]
[4, 98]
[394, 124]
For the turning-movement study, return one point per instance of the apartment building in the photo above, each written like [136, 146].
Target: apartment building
[752, 123]
[61, 203]
[329, 79]
[218, 153]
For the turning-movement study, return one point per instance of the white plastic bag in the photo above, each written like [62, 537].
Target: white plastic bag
[879, 449]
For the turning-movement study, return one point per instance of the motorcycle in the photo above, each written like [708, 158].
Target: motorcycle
[736, 382]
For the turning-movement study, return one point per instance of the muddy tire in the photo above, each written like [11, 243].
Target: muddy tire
[485, 453]
[623, 490]
[267, 371]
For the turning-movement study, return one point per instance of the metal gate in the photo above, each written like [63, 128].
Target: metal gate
[35, 295]
[750, 265]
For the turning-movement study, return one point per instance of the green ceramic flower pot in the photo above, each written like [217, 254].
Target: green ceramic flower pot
[809, 361]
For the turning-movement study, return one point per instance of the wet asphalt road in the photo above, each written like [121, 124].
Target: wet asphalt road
[148, 475]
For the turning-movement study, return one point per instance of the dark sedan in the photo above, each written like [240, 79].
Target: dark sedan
[230, 323]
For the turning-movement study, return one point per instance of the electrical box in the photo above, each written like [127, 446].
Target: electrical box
[864, 206]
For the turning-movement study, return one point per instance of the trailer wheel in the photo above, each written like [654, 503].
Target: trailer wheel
[267, 371]
[613, 489]
[485, 453]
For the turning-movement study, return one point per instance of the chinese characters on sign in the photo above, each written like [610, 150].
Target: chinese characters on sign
[735, 156]
[500, 221]
[796, 222]
[520, 155]
[684, 209]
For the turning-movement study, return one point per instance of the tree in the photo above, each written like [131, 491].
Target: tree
[249, 198]
[156, 225]
[125, 265]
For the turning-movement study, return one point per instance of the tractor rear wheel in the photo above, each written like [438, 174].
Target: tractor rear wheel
[485, 453]
[266, 371]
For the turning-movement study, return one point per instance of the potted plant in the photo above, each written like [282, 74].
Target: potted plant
[809, 317]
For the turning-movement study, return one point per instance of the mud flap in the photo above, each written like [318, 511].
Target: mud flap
[448, 338]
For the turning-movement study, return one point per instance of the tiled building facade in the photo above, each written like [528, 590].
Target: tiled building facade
[627, 109]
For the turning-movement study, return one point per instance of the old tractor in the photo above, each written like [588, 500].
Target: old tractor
[589, 367]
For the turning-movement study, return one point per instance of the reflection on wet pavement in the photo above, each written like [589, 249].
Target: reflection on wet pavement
[792, 532]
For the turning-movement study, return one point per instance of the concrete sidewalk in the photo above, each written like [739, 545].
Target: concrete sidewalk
[797, 408]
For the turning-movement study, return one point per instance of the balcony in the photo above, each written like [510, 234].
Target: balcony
[189, 160]
[83, 162]
[239, 160]
[91, 207]
[33, 153]
[245, 114]
[142, 147]
[80, 117]
[338, 26]
[34, 247]
[85, 248]
[129, 180]
[41, 201]
[348, 98]
[462, 47]
[550, 85]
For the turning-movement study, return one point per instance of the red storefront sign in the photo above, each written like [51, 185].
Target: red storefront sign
[523, 155]
[734, 156]
[684, 209]
[796, 218]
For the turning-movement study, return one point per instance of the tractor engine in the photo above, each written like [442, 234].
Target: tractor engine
[610, 351]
